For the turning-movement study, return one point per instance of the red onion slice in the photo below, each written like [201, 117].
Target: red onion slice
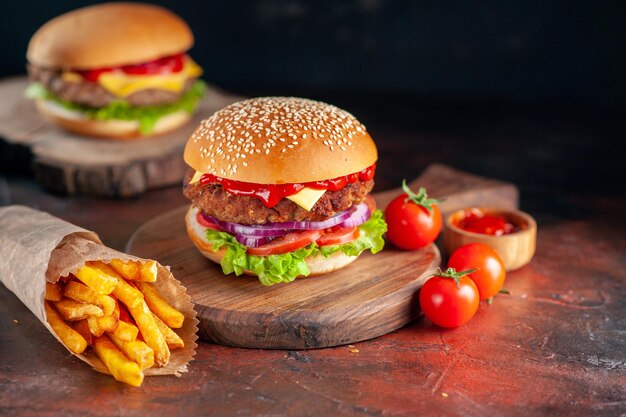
[358, 216]
[277, 229]
[252, 241]
[244, 229]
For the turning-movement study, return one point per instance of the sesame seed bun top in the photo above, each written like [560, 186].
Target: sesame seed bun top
[280, 140]
[109, 35]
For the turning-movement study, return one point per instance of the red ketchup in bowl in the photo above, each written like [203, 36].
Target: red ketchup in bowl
[476, 221]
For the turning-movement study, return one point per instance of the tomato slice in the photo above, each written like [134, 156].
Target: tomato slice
[287, 243]
[167, 65]
[338, 236]
[205, 223]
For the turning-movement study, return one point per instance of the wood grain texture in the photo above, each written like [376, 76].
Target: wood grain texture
[366, 299]
[369, 298]
[68, 163]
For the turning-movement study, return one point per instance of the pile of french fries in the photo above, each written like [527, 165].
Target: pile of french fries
[115, 309]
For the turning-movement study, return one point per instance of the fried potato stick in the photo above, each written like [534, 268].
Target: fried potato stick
[128, 294]
[122, 368]
[171, 338]
[172, 317]
[97, 279]
[54, 292]
[150, 332]
[82, 327]
[72, 310]
[70, 337]
[148, 272]
[135, 350]
[80, 292]
[127, 269]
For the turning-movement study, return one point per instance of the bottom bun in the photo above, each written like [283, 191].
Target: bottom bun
[74, 121]
[318, 265]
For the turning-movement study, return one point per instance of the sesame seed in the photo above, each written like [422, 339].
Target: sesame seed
[249, 126]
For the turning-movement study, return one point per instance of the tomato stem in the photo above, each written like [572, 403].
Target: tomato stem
[421, 198]
[452, 274]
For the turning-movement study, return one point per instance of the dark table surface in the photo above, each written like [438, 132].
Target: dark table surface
[556, 346]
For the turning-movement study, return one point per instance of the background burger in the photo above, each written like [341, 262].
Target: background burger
[279, 189]
[115, 70]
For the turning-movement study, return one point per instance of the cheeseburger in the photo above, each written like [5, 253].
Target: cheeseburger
[279, 189]
[115, 70]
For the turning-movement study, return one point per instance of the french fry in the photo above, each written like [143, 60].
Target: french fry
[70, 337]
[135, 350]
[94, 326]
[150, 332]
[126, 331]
[171, 338]
[121, 368]
[54, 292]
[116, 309]
[72, 310]
[80, 292]
[128, 294]
[82, 327]
[172, 317]
[97, 279]
[128, 270]
[148, 272]
[108, 323]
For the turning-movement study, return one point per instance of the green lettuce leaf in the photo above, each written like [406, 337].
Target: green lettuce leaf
[274, 269]
[147, 116]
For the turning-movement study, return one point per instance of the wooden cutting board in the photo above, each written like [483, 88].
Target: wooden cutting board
[373, 296]
[74, 164]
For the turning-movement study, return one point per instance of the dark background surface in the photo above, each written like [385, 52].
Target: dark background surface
[527, 92]
[536, 52]
[475, 85]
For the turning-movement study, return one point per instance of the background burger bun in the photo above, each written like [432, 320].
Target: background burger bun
[318, 265]
[109, 35]
[110, 129]
[277, 140]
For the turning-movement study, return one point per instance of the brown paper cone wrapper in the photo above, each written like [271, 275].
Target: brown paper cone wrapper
[35, 247]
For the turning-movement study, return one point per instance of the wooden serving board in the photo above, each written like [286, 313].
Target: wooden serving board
[372, 296]
[73, 164]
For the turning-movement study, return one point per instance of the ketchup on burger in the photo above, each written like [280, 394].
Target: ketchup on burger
[280, 188]
[115, 70]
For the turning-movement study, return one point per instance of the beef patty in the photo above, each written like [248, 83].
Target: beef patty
[215, 201]
[93, 95]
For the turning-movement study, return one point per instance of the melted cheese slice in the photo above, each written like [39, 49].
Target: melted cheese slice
[196, 177]
[123, 85]
[72, 77]
[305, 198]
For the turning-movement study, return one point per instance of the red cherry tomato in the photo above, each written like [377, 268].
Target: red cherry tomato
[287, 243]
[411, 226]
[205, 223]
[490, 273]
[338, 236]
[446, 304]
